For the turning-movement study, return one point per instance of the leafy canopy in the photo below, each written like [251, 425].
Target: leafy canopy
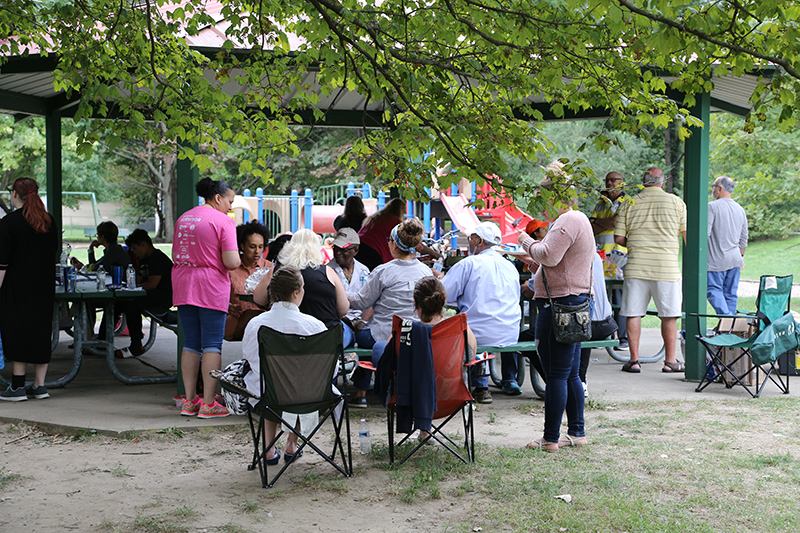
[463, 79]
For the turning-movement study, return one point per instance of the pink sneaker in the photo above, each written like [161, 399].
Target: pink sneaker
[215, 410]
[191, 408]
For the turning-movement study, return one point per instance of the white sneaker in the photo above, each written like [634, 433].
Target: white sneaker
[585, 389]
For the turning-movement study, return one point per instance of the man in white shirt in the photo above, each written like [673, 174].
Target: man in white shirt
[485, 286]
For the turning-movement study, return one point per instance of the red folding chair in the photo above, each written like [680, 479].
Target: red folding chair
[450, 366]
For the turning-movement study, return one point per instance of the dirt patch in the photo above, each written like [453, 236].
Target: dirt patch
[198, 481]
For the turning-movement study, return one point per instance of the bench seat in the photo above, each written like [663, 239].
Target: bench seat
[366, 353]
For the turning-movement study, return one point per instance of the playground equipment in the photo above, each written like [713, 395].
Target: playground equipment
[282, 214]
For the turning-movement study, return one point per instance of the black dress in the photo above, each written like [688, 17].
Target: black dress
[28, 291]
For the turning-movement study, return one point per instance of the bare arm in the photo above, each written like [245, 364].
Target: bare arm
[342, 303]
[684, 237]
[622, 241]
[425, 250]
[472, 341]
[2, 277]
[231, 260]
[600, 225]
[260, 294]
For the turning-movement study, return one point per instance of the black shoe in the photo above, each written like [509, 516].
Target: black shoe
[40, 392]
[14, 395]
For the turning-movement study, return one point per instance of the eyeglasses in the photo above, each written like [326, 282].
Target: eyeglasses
[10, 188]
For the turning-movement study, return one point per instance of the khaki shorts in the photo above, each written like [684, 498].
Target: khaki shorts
[636, 294]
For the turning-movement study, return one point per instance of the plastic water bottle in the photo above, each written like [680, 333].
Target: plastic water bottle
[130, 278]
[438, 265]
[101, 278]
[71, 278]
[364, 437]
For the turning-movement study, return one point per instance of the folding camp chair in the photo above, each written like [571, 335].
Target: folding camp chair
[297, 374]
[773, 302]
[448, 347]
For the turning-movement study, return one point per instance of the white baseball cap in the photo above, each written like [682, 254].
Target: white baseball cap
[489, 232]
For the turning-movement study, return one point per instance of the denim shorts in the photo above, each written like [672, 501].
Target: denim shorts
[203, 329]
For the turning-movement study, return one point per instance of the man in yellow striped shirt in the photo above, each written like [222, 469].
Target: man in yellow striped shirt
[651, 229]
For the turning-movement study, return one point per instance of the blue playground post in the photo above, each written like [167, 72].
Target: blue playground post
[351, 189]
[381, 199]
[473, 187]
[409, 209]
[246, 214]
[454, 190]
[309, 201]
[293, 211]
[260, 196]
[366, 191]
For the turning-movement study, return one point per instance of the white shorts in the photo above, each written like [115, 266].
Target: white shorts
[636, 294]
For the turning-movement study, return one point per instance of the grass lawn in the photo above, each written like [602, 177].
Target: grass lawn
[772, 257]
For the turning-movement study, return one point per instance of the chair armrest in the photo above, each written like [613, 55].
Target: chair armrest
[367, 365]
[231, 386]
[481, 360]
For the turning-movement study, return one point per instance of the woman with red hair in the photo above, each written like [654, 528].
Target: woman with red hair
[28, 253]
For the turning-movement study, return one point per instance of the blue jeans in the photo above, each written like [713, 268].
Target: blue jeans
[722, 291]
[478, 381]
[349, 338]
[561, 363]
[203, 329]
[508, 362]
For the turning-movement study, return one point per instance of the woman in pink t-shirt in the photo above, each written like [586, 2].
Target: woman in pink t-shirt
[204, 249]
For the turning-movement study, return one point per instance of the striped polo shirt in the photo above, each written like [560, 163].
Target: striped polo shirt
[653, 227]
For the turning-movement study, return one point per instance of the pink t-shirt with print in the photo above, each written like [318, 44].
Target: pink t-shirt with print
[199, 277]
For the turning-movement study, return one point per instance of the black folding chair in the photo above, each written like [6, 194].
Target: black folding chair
[297, 374]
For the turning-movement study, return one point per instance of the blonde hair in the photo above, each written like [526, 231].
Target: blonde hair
[302, 251]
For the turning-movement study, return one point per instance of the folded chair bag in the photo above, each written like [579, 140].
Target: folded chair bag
[777, 338]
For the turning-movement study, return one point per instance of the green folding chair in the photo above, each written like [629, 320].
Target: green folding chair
[773, 305]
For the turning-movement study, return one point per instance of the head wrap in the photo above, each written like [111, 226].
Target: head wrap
[399, 243]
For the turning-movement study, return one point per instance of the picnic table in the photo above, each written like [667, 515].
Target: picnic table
[86, 294]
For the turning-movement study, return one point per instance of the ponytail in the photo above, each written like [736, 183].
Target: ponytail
[32, 206]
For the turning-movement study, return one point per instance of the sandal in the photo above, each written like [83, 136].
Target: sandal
[628, 367]
[569, 440]
[289, 457]
[541, 444]
[677, 366]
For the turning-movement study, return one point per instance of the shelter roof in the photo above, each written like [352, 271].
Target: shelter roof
[27, 88]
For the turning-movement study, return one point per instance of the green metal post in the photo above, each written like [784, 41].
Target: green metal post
[695, 256]
[187, 177]
[52, 123]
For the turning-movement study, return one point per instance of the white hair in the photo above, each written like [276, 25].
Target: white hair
[302, 251]
[726, 183]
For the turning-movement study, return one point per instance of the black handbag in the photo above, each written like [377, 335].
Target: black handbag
[571, 323]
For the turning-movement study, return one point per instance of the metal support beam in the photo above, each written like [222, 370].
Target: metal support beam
[53, 165]
[187, 176]
[695, 254]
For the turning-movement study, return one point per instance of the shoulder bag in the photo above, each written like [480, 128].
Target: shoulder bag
[571, 323]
